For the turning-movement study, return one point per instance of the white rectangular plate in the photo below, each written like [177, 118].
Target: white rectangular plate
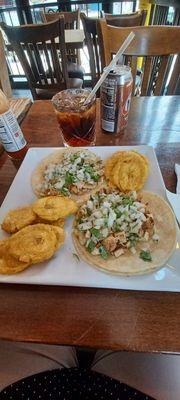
[64, 268]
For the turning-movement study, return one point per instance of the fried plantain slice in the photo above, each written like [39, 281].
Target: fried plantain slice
[18, 219]
[60, 222]
[34, 243]
[60, 235]
[110, 163]
[130, 172]
[52, 208]
[8, 264]
[142, 156]
[4, 244]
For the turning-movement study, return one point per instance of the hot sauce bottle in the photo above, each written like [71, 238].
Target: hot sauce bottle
[11, 136]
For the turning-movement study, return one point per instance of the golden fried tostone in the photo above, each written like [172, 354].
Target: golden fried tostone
[60, 235]
[110, 163]
[127, 170]
[8, 264]
[34, 243]
[60, 222]
[18, 219]
[52, 208]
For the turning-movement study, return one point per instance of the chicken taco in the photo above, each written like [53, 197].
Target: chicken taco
[125, 234]
[69, 172]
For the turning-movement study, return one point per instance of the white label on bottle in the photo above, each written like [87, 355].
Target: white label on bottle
[107, 125]
[11, 135]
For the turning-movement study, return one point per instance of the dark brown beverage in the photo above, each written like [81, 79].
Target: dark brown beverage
[76, 119]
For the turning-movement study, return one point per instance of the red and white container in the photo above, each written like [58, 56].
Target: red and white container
[116, 91]
[11, 136]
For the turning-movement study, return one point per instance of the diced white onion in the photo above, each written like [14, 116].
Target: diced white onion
[155, 237]
[85, 226]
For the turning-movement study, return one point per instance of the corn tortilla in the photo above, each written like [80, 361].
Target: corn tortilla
[38, 178]
[130, 264]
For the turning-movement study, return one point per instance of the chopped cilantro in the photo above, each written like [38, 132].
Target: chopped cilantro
[145, 255]
[88, 169]
[69, 178]
[64, 191]
[118, 213]
[104, 253]
[74, 157]
[127, 201]
[106, 222]
[133, 237]
[126, 213]
[95, 177]
[91, 246]
[95, 232]
[116, 227]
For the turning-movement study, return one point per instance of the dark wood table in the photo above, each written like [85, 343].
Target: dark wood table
[97, 318]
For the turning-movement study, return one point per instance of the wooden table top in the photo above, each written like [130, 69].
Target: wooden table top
[97, 318]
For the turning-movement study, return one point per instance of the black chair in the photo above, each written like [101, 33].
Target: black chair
[41, 50]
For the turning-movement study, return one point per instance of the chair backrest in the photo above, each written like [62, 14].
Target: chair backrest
[4, 76]
[91, 39]
[71, 19]
[43, 59]
[104, 14]
[149, 42]
[123, 20]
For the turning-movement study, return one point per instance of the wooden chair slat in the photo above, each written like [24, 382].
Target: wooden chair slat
[36, 51]
[175, 78]
[146, 75]
[31, 60]
[91, 39]
[134, 71]
[161, 73]
[4, 76]
[56, 61]
[48, 60]
[95, 44]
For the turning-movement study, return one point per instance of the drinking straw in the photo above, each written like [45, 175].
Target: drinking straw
[119, 53]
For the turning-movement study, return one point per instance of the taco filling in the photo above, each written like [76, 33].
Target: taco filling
[113, 223]
[76, 173]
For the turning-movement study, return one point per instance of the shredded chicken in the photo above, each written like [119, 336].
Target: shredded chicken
[121, 237]
[148, 224]
[110, 243]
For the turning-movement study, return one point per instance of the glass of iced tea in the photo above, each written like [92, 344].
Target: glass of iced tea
[76, 119]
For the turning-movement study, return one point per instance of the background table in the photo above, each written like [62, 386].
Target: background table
[97, 318]
[74, 38]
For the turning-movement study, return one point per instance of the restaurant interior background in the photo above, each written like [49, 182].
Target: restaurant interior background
[19, 12]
